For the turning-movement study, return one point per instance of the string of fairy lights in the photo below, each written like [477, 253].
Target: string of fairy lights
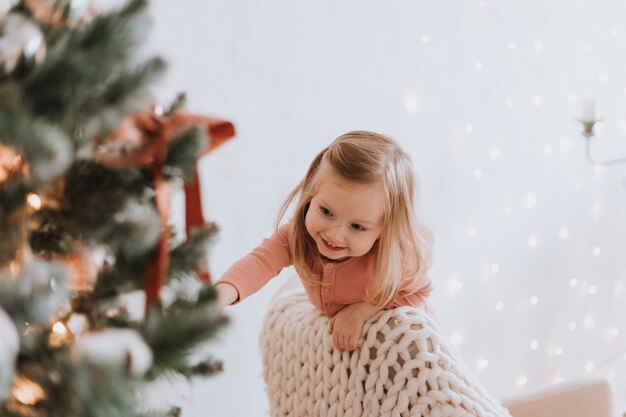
[616, 353]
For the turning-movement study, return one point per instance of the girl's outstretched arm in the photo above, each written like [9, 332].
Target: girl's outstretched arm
[346, 326]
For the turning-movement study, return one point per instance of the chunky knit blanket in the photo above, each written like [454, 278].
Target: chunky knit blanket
[404, 367]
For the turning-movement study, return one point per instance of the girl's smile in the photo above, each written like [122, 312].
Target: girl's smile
[345, 217]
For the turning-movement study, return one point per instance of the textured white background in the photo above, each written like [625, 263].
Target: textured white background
[483, 96]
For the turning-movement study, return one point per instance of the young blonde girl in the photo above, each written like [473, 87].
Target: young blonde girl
[355, 238]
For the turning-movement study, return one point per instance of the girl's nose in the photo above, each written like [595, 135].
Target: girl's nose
[335, 234]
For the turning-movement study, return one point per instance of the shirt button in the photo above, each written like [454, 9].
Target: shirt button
[329, 266]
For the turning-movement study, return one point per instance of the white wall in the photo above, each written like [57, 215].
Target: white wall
[483, 95]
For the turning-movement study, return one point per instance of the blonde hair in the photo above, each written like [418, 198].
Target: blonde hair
[405, 242]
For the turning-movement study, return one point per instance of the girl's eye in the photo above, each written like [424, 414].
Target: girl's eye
[358, 227]
[325, 211]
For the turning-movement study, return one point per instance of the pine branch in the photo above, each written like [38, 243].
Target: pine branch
[174, 333]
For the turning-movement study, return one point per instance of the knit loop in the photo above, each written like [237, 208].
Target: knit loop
[404, 367]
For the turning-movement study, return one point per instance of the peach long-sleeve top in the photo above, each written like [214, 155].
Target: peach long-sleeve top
[343, 283]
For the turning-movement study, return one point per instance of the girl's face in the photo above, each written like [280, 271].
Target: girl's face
[344, 217]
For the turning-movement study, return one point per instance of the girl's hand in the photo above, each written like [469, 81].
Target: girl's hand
[226, 294]
[346, 326]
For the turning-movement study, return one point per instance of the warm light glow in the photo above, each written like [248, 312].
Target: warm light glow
[590, 366]
[495, 268]
[534, 345]
[26, 391]
[596, 251]
[558, 351]
[521, 381]
[573, 282]
[563, 232]
[532, 241]
[59, 328]
[14, 269]
[589, 321]
[60, 335]
[34, 201]
[571, 326]
[534, 300]
[592, 290]
[499, 306]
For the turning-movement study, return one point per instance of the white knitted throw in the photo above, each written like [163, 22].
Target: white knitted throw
[404, 367]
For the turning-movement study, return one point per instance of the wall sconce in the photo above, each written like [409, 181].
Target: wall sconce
[588, 119]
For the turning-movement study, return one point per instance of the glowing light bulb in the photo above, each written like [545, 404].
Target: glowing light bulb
[571, 326]
[59, 328]
[573, 282]
[521, 381]
[563, 232]
[592, 290]
[425, 39]
[534, 345]
[558, 351]
[26, 391]
[495, 268]
[499, 306]
[596, 251]
[478, 66]
[481, 364]
[532, 241]
[534, 300]
[34, 201]
[590, 366]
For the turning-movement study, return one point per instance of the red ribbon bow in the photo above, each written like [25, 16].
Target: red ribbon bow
[156, 134]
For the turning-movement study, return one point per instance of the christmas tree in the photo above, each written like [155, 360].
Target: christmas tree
[87, 164]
